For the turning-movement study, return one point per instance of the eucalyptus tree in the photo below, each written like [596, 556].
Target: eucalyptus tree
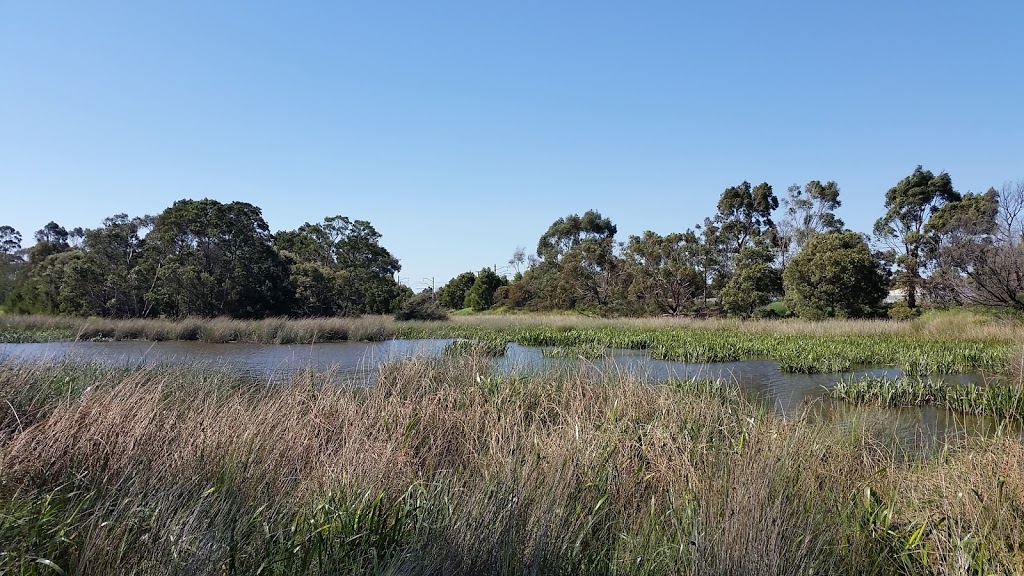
[705, 246]
[745, 215]
[10, 259]
[38, 279]
[10, 241]
[754, 283]
[980, 249]
[664, 272]
[126, 271]
[807, 212]
[52, 239]
[578, 267]
[591, 278]
[904, 228]
[569, 232]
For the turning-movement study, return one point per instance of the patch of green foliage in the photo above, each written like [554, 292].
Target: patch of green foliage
[587, 351]
[491, 347]
[794, 353]
[999, 401]
[33, 336]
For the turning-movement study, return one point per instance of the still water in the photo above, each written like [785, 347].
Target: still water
[787, 394]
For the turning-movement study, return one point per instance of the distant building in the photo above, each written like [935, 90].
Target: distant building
[896, 295]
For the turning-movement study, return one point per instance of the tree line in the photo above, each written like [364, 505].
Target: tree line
[206, 258]
[201, 258]
[759, 251]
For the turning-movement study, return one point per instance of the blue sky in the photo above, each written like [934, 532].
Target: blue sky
[463, 129]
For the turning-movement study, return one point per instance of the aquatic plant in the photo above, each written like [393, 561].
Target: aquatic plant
[493, 347]
[998, 400]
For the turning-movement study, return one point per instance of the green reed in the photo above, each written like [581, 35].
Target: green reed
[998, 400]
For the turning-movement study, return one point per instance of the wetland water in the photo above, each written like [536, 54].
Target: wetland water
[787, 394]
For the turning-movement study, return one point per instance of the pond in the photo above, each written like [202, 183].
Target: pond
[787, 394]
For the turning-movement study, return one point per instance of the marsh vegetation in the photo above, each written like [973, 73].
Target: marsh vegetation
[940, 344]
[445, 467]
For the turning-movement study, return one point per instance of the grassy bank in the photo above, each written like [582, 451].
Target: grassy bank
[939, 344]
[445, 468]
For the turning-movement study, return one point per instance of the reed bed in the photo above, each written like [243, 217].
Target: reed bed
[999, 400]
[491, 347]
[444, 467]
[954, 324]
[944, 344]
[587, 351]
[794, 353]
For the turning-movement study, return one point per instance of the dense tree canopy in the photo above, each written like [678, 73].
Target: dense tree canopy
[217, 259]
[664, 271]
[745, 214]
[835, 275]
[341, 268]
[453, 294]
[569, 232]
[754, 283]
[481, 294]
[205, 258]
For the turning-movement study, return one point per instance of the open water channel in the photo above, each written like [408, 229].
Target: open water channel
[787, 394]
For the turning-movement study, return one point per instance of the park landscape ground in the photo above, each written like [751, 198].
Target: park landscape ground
[444, 466]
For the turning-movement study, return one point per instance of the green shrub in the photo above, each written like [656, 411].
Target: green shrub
[900, 311]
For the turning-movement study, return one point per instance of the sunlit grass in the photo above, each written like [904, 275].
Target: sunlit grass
[445, 467]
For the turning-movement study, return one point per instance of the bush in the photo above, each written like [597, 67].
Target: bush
[453, 294]
[773, 310]
[834, 276]
[900, 311]
[421, 307]
[481, 296]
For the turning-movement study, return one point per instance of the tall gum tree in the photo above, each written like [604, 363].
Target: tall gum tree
[909, 206]
[807, 212]
[745, 214]
[663, 272]
[569, 232]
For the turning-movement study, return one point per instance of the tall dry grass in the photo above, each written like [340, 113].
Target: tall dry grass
[960, 325]
[444, 467]
[952, 325]
[214, 330]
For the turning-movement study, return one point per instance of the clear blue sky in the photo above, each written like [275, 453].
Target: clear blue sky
[463, 129]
